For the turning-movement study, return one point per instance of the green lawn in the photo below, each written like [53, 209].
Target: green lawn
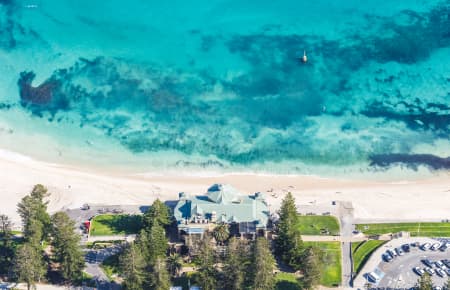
[318, 225]
[416, 229]
[332, 262]
[286, 281]
[362, 251]
[115, 224]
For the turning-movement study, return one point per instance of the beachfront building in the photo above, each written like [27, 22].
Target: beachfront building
[247, 215]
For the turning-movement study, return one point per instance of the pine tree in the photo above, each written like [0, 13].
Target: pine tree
[29, 266]
[159, 277]
[263, 263]
[207, 273]
[289, 244]
[312, 270]
[425, 283]
[157, 243]
[236, 262]
[158, 213]
[66, 247]
[132, 265]
[6, 246]
[33, 211]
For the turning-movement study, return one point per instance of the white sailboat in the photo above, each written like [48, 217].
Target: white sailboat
[304, 58]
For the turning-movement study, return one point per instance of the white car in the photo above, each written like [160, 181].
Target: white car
[435, 246]
[426, 246]
[441, 273]
[429, 271]
[439, 264]
[419, 271]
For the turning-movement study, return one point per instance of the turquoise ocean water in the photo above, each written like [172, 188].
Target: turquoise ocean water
[217, 86]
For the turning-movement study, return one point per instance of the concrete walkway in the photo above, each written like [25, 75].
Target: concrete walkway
[128, 238]
[347, 227]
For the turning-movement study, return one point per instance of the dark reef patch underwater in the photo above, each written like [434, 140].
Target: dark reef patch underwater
[379, 94]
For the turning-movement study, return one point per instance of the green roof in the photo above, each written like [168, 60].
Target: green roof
[226, 203]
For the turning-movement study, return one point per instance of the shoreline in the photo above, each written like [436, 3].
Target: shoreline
[70, 187]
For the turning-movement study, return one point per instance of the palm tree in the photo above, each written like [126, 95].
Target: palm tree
[221, 233]
[174, 264]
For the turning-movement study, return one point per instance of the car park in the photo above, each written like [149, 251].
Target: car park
[428, 263]
[425, 246]
[435, 246]
[399, 251]
[441, 273]
[419, 271]
[429, 271]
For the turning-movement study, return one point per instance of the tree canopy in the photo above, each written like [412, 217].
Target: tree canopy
[6, 245]
[288, 244]
[29, 266]
[425, 282]
[132, 265]
[33, 211]
[158, 213]
[207, 272]
[263, 266]
[66, 249]
[237, 260]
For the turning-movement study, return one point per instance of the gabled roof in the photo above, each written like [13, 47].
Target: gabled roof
[227, 205]
[223, 194]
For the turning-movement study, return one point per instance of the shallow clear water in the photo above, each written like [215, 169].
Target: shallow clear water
[218, 85]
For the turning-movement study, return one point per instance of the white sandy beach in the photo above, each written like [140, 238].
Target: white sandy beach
[426, 199]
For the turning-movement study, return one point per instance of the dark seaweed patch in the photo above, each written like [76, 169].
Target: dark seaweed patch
[412, 161]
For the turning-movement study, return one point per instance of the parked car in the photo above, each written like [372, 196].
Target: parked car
[447, 271]
[429, 271]
[391, 253]
[399, 251]
[441, 273]
[427, 263]
[439, 264]
[386, 257]
[85, 206]
[374, 277]
[444, 247]
[419, 271]
[425, 246]
[435, 246]
[415, 244]
[406, 248]
[446, 262]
